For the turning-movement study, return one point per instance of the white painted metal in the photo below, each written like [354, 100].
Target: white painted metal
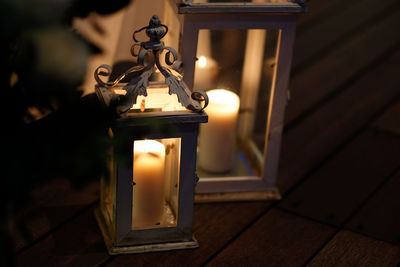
[118, 233]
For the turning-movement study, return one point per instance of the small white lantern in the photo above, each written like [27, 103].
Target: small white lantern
[147, 200]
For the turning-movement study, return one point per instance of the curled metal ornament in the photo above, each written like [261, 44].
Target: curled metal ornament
[137, 86]
[105, 70]
[201, 96]
[102, 70]
[170, 52]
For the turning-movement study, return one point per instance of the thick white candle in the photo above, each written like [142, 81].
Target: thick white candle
[205, 73]
[217, 137]
[148, 192]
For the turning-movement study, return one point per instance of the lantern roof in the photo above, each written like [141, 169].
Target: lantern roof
[151, 50]
[161, 118]
[266, 6]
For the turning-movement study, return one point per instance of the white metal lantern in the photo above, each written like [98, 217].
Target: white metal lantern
[147, 200]
[246, 50]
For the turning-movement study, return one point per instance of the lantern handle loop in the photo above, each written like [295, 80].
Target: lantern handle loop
[166, 30]
[137, 31]
[154, 31]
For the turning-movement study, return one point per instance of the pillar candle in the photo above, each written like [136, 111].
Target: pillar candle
[217, 137]
[205, 73]
[148, 176]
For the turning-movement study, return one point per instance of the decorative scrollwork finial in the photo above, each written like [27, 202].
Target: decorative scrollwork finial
[137, 86]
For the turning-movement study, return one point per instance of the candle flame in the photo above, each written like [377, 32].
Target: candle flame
[149, 146]
[222, 100]
[223, 97]
[202, 61]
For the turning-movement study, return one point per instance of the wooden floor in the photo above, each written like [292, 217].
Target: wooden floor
[339, 170]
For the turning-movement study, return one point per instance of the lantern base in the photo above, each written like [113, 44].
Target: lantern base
[115, 250]
[237, 196]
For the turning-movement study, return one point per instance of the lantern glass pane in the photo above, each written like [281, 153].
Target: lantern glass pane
[242, 62]
[171, 18]
[158, 99]
[156, 167]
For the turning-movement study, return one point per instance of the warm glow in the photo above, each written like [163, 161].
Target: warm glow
[149, 146]
[148, 191]
[217, 137]
[223, 100]
[206, 72]
[159, 98]
[202, 61]
[120, 91]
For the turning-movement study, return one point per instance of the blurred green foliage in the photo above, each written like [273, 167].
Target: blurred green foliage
[43, 60]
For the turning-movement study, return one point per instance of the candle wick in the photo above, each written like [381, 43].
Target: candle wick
[169, 148]
[143, 105]
[153, 154]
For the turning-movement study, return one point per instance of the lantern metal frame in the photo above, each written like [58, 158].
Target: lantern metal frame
[117, 231]
[224, 16]
[116, 225]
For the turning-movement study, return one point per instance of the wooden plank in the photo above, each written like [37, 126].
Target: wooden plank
[238, 196]
[214, 226]
[350, 249]
[338, 189]
[380, 217]
[80, 241]
[52, 204]
[277, 239]
[390, 121]
[323, 77]
[306, 145]
[326, 32]
[77, 243]
[319, 10]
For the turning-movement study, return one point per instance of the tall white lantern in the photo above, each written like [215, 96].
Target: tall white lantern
[240, 53]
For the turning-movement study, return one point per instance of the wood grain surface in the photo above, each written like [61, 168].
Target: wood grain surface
[351, 249]
[339, 166]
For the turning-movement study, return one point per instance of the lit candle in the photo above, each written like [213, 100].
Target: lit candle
[148, 192]
[217, 137]
[205, 73]
[158, 98]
